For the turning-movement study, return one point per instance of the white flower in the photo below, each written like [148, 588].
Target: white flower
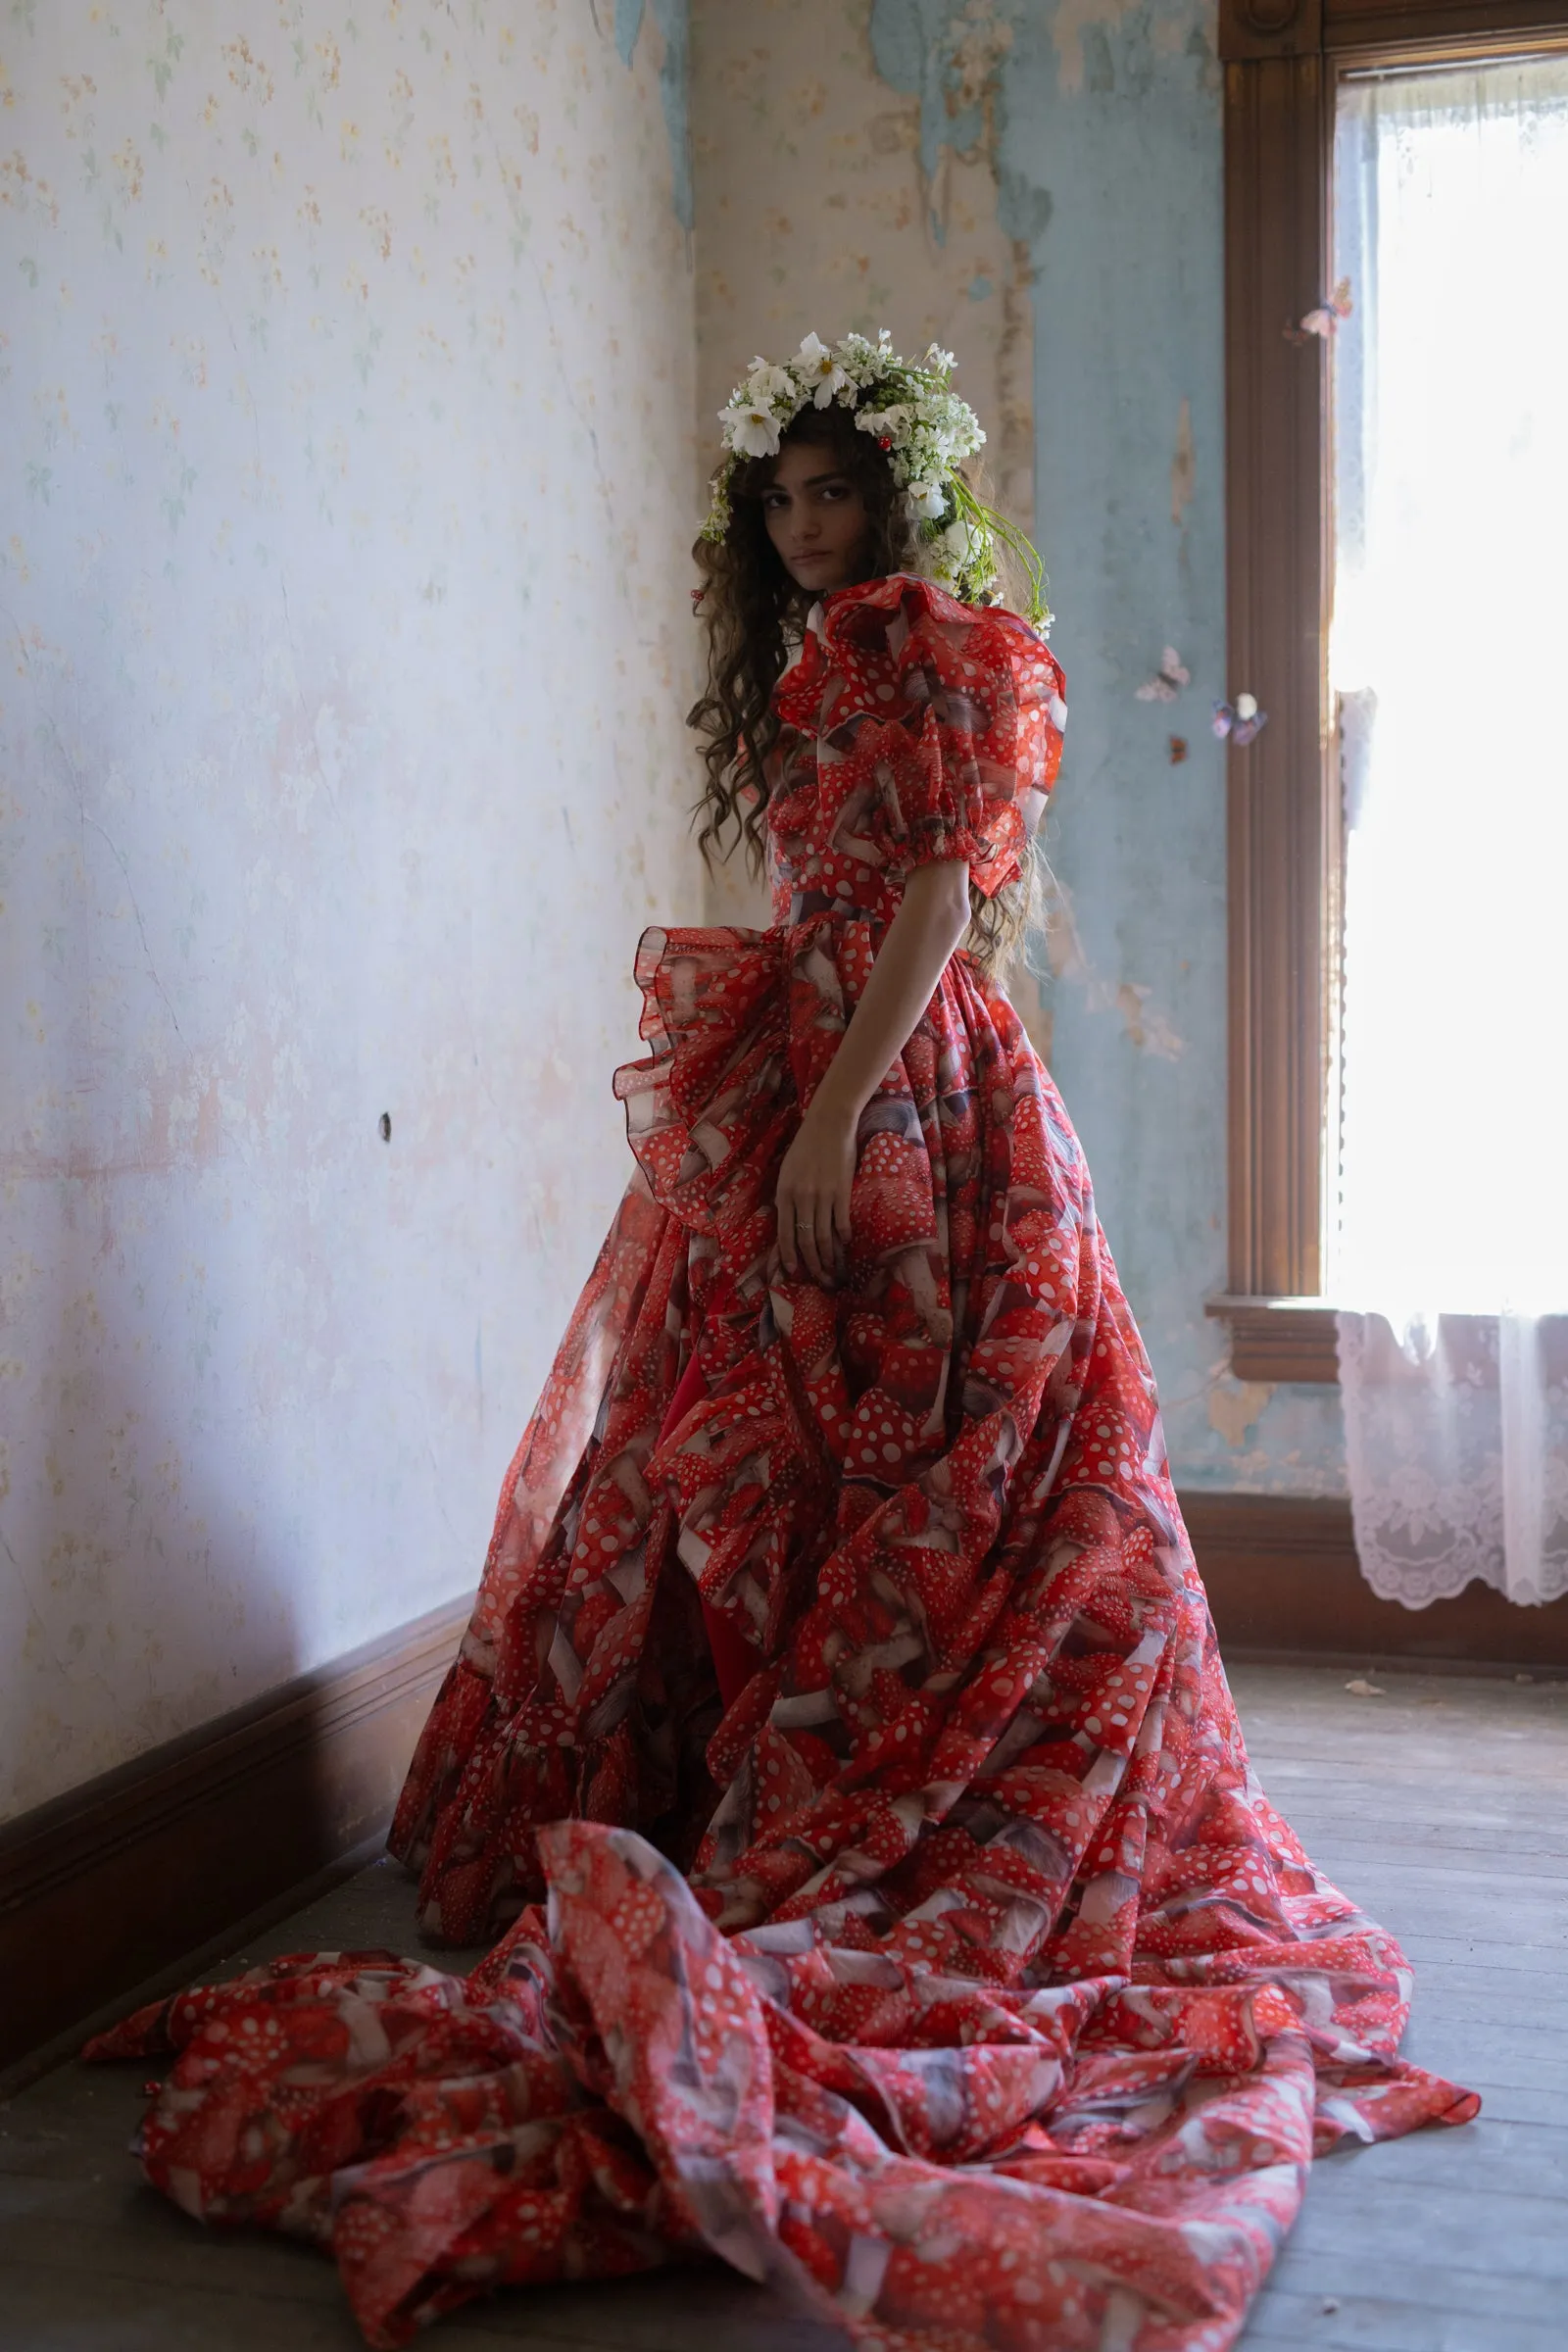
[816, 366]
[888, 425]
[928, 499]
[769, 386]
[751, 429]
[859, 359]
[963, 556]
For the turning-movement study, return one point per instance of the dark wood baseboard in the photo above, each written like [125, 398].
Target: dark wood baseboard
[1283, 1579]
[105, 1886]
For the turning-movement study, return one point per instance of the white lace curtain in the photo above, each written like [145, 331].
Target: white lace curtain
[1449, 642]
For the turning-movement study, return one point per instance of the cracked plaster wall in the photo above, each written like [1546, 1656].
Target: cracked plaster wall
[1037, 183]
[347, 640]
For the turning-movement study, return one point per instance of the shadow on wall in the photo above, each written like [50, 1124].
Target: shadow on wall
[151, 1600]
[324, 515]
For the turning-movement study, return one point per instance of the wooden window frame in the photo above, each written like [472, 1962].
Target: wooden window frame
[1282, 61]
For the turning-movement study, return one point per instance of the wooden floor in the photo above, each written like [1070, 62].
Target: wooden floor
[1440, 1804]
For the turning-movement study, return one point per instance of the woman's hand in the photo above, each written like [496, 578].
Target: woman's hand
[814, 1193]
[818, 1168]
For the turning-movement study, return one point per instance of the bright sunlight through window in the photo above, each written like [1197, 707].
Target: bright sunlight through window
[1448, 646]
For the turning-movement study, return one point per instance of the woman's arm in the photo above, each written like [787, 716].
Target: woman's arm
[818, 1168]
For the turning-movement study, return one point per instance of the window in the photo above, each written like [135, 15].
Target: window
[1288, 62]
[1450, 517]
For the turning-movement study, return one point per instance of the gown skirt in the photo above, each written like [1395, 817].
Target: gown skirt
[841, 1759]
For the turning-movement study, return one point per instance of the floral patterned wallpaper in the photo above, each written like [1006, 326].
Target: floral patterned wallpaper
[346, 482]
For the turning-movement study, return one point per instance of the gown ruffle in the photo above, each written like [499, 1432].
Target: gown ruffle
[958, 1976]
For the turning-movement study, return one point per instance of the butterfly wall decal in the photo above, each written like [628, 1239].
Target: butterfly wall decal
[1241, 720]
[1168, 680]
[1322, 323]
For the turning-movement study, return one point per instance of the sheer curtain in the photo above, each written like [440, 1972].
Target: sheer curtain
[1448, 648]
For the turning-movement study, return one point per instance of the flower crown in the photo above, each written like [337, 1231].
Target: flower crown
[922, 425]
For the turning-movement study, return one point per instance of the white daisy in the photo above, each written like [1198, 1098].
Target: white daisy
[817, 367]
[751, 429]
[771, 387]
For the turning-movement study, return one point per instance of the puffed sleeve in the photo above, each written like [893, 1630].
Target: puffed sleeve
[960, 720]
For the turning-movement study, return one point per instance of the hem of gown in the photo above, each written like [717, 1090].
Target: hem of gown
[619, 2083]
[1067, 1944]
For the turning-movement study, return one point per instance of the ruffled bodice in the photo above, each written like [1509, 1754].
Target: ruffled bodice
[915, 729]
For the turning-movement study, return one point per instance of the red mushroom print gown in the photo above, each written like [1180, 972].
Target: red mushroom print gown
[839, 1748]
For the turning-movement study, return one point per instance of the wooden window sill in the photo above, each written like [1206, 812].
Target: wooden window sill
[1280, 1338]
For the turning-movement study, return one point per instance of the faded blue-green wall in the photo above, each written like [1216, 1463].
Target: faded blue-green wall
[1045, 176]
[1109, 149]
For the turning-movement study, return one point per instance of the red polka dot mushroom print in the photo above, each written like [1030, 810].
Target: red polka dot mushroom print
[948, 1967]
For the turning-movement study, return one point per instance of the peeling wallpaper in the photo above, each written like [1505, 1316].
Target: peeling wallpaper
[343, 594]
[822, 202]
[1037, 183]
[1109, 147]
[674, 84]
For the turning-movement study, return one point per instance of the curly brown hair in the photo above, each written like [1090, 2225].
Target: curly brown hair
[754, 614]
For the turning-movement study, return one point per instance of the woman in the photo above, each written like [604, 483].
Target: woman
[918, 1937]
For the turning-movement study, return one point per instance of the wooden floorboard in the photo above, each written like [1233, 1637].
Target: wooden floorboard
[1438, 1806]
[665, 2314]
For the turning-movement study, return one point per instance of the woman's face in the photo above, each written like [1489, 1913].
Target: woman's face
[815, 517]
